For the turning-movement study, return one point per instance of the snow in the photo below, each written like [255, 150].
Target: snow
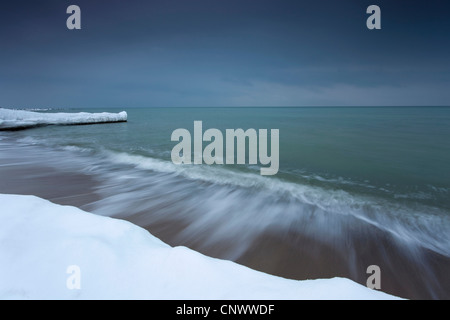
[118, 260]
[17, 119]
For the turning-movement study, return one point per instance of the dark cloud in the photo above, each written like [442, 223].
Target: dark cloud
[246, 52]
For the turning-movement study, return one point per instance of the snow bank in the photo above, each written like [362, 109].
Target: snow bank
[118, 260]
[18, 119]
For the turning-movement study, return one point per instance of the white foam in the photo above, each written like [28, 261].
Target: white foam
[384, 215]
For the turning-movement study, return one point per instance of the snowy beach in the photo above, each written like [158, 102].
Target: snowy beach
[118, 260]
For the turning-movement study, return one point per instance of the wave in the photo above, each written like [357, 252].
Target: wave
[278, 197]
[277, 201]
[37, 109]
[225, 212]
[19, 119]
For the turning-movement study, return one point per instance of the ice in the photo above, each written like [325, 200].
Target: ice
[118, 260]
[18, 119]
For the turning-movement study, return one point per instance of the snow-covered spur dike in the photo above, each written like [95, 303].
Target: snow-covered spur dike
[48, 251]
[20, 119]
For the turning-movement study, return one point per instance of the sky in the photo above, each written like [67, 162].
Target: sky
[183, 53]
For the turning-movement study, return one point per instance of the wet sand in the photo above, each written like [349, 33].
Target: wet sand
[291, 255]
[64, 188]
[300, 257]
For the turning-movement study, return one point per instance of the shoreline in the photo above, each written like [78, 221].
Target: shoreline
[78, 189]
[290, 255]
[139, 266]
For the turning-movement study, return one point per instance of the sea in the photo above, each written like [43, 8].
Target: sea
[356, 187]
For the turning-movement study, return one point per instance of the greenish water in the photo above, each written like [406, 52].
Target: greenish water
[399, 153]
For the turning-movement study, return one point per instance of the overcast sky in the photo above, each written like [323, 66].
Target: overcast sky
[163, 53]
